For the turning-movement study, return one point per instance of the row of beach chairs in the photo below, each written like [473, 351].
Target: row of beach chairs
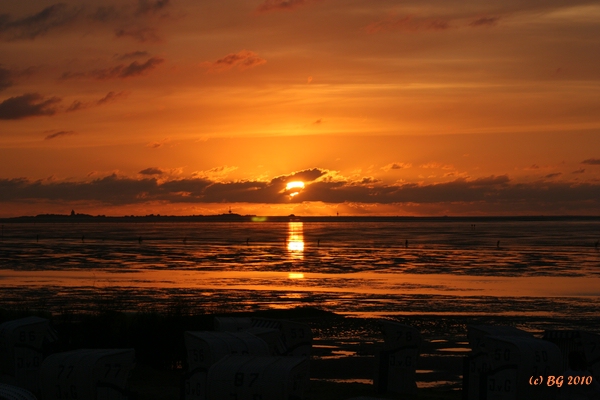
[268, 359]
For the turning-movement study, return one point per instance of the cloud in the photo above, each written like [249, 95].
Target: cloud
[126, 20]
[76, 106]
[579, 171]
[136, 69]
[591, 161]
[34, 25]
[484, 21]
[317, 122]
[280, 5]
[215, 173]
[28, 105]
[144, 9]
[554, 175]
[369, 180]
[59, 134]
[243, 60]
[396, 165]
[435, 165]
[307, 175]
[497, 191]
[109, 98]
[156, 145]
[105, 14]
[141, 35]
[150, 7]
[5, 78]
[120, 71]
[408, 24]
[132, 54]
[151, 171]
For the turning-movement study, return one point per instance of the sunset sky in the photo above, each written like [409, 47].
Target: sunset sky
[413, 107]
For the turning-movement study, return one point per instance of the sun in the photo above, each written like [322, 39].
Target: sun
[293, 188]
[294, 185]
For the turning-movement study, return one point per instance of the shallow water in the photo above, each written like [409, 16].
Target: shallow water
[459, 267]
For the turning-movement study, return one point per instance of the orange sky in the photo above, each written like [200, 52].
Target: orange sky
[380, 107]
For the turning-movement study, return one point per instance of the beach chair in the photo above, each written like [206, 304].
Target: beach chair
[94, 374]
[581, 341]
[232, 324]
[477, 363]
[9, 392]
[513, 360]
[284, 337]
[258, 377]
[205, 348]
[295, 336]
[23, 344]
[396, 364]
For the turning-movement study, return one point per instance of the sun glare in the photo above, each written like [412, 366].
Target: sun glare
[294, 185]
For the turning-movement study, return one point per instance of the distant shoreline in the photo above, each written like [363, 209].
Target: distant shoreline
[54, 218]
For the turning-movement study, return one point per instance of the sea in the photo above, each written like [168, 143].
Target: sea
[439, 275]
[363, 267]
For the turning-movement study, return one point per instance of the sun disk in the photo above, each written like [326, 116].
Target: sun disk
[294, 185]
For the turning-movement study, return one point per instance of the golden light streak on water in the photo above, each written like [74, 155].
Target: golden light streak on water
[295, 242]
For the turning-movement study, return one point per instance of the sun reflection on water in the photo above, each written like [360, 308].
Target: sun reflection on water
[295, 242]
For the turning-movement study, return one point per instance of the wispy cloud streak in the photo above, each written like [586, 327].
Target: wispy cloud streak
[59, 134]
[121, 71]
[242, 60]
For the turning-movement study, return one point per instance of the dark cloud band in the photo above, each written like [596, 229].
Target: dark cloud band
[115, 190]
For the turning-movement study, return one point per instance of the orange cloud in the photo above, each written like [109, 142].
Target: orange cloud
[156, 145]
[396, 165]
